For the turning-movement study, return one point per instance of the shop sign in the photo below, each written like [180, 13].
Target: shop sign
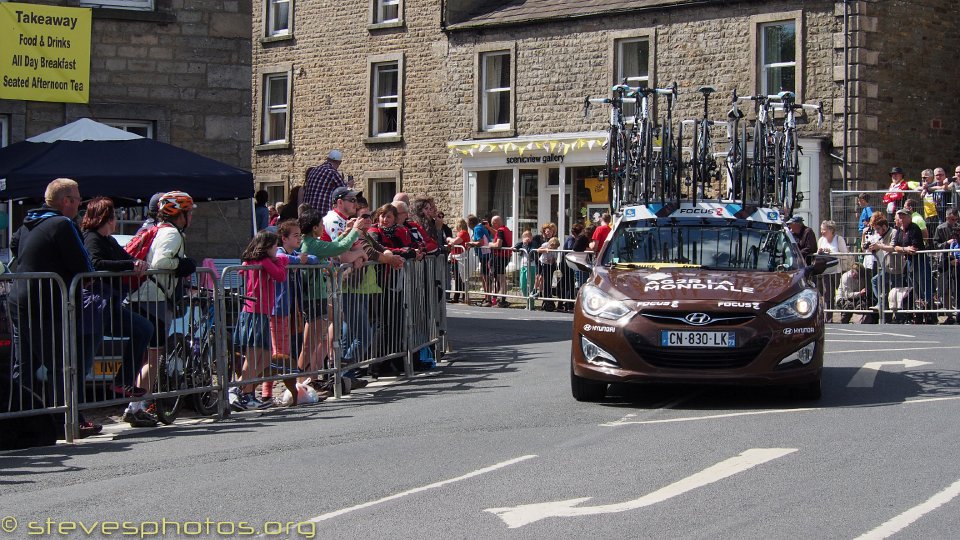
[45, 53]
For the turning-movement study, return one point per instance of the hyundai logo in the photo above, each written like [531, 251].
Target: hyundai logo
[698, 319]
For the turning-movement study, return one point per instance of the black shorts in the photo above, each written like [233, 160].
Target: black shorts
[485, 264]
[499, 264]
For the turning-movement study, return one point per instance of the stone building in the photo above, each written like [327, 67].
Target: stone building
[174, 70]
[480, 103]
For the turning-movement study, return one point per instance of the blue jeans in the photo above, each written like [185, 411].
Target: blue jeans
[121, 322]
[882, 283]
[918, 268]
[357, 332]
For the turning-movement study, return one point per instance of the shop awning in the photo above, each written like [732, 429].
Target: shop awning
[555, 143]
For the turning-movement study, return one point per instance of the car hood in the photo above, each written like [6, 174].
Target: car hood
[698, 284]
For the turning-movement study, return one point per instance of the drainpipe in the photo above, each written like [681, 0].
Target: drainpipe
[846, 91]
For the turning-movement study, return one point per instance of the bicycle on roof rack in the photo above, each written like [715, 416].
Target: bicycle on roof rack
[618, 152]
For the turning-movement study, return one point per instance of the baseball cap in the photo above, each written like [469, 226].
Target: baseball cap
[903, 211]
[896, 170]
[343, 193]
[335, 155]
[794, 219]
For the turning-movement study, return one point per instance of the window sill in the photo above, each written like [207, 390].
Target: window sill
[276, 39]
[383, 140]
[134, 15]
[272, 146]
[494, 134]
[384, 25]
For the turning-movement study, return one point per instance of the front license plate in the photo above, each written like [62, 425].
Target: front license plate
[688, 338]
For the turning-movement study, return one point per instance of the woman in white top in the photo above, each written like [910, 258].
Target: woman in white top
[831, 243]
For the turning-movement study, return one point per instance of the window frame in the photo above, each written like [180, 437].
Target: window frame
[272, 35]
[757, 25]
[4, 130]
[133, 5]
[372, 178]
[375, 19]
[266, 75]
[480, 69]
[374, 63]
[617, 40]
[125, 124]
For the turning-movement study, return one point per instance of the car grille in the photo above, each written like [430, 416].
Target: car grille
[696, 358]
[717, 318]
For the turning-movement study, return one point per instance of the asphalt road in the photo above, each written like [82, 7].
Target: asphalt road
[492, 445]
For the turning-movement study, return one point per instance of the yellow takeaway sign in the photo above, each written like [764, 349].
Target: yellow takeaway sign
[44, 53]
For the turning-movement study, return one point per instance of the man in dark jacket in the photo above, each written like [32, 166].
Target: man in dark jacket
[48, 241]
[806, 240]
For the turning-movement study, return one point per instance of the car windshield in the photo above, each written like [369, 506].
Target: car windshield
[719, 246]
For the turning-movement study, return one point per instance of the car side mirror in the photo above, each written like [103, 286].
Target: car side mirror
[821, 263]
[580, 261]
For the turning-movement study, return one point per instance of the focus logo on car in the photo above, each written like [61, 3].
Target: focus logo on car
[698, 319]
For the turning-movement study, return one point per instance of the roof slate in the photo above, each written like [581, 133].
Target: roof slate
[520, 11]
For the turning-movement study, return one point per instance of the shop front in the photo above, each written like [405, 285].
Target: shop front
[535, 179]
[556, 178]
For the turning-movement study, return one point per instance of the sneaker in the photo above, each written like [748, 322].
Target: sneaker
[486, 304]
[949, 320]
[358, 383]
[128, 390]
[503, 304]
[141, 418]
[88, 429]
[234, 400]
[251, 402]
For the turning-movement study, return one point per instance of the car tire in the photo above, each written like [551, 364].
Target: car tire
[585, 389]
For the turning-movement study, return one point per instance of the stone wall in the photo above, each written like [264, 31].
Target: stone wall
[900, 91]
[186, 68]
[905, 90]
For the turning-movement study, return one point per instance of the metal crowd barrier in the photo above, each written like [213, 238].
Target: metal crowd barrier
[893, 288]
[533, 278]
[92, 344]
[36, 367]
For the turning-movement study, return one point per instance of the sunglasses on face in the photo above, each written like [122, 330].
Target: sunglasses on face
[364, 216]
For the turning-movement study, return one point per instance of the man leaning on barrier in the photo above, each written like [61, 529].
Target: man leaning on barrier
[48, 241]
[947, 236]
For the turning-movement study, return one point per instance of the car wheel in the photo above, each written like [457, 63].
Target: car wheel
[585, 389]
[810, 391]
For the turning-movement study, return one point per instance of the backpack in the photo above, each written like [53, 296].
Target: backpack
[139, 247]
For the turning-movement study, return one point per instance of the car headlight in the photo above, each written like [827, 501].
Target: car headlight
[596, 303]
[799, 306]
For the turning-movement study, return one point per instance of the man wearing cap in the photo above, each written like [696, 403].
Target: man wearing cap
[806, 240]
[344, 201]
[895, 192]
[322, 181]
[910, 240]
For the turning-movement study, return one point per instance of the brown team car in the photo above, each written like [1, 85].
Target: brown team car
[701, 293]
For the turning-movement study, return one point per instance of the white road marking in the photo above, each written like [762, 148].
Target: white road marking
[518, 516]
[624, 422]
[628, 419]
[420, 489]
[891, 350]
[865, 332]
[875, 341]
[867, 375]
[904, 520]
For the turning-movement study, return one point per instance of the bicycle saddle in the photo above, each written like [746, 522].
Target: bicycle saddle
[706, 90]
[786, 94]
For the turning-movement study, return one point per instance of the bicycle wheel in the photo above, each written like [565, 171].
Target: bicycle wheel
[170, 377]
[205, 374]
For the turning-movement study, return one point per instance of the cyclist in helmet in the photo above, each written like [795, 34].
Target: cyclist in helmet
[155, 297]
